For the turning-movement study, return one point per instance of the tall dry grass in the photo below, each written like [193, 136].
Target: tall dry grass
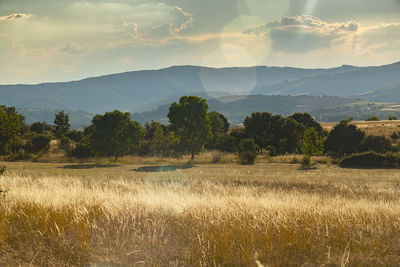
[212, 215]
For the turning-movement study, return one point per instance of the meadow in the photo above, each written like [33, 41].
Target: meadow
[161, 212]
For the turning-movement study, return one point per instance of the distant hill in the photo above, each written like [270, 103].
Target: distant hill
[143, 90]
[365, 83]
[236, 108]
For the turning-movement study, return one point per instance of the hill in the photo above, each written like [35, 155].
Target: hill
[143, 90]
[236, 108]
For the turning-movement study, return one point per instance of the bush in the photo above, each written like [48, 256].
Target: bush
[379, 144]
[373, 118]
[344, 139]
[81, 151]
[392, 118]
[38, 143]
[371, 160]
[2, 170]
[248, 151]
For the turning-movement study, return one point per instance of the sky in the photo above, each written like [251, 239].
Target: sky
[63, 40]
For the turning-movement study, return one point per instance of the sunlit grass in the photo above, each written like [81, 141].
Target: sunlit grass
[207, 215]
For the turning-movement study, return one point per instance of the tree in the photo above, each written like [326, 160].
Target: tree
[379, 144]
[248, 151]
[274, 132]
[373, 118]
[11, 125]
[392, 118]
[190, 121]
[344, 139]
[62, 126]
[40, 127]
[219, 127]
[312, 145]
[307, 120]
[37, 143]
[114, 134]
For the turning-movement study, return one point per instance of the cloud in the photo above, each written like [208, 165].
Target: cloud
[381, 37]
[300, 34]
[15, 16]
[72, 48]
[179, 21]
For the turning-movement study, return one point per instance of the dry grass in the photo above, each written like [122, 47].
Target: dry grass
[210, 215]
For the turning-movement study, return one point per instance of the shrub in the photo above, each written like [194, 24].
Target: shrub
[379, 144]
[373, 118]
[392, 118]
[81, 151]
[248, 151]
[38, 143]
[371, 160]
[2, 170]
[344, 139]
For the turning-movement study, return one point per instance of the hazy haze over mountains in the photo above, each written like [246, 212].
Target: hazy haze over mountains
[145, 90]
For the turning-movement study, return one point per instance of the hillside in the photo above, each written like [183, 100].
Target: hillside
[143, 90]
[365, 83]
[236, 108]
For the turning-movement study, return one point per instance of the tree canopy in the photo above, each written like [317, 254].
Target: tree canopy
[114, 134]
[62, 126]
[11, 124]
[190, 120]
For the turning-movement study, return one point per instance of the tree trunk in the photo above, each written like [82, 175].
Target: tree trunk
[192, 156]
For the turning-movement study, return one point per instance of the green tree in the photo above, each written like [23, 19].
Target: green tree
[373, 118]
[190, 121]
[11, 125]
[344, 139]
[312, 145]
[307, 120]
[219, 128]
[248, 150]
[62, 126]
[114, 134]
[392, 118]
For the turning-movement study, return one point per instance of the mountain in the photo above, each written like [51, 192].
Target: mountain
[143, 90]
[236, 108]
[364, 82]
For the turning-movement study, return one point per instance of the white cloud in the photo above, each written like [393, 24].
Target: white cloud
[15, 16]
[304, 33]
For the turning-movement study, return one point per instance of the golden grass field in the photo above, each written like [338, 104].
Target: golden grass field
[161, 212]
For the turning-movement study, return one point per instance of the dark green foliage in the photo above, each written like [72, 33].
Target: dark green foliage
[81, 151]
[394, 136]
[344, 139]
[219, 127]
[371, 159]
[65, 143]
[37, 143]
[312, 145]
[11, 128]
[75, 135]
[114, 134]
[373, 118]
[190, 121]
[379, 144]
[2, 170]
[392, 118]
[61, 121]
[159, 141]
[267, 130]
[307, 121]
[40, 128]
[248, 151]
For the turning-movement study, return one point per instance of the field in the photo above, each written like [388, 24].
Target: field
[167, 213]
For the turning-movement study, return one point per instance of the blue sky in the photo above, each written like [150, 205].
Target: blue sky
[62, 40]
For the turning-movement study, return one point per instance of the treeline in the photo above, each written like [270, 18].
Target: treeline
[191, 129]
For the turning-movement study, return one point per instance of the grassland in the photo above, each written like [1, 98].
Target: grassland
[166, 213]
